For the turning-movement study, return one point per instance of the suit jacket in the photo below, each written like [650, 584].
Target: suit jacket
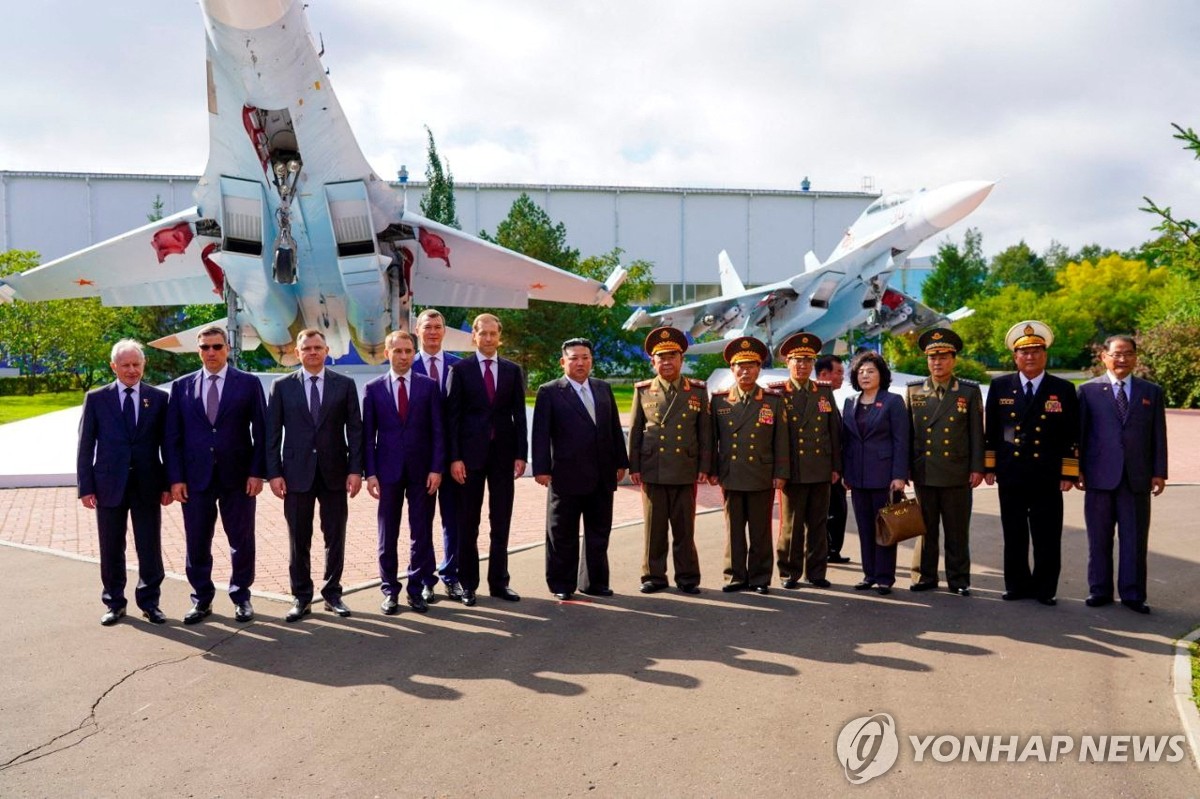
[298, 445]
[1032, 443]
[226, 453]
[109, 454]
[670, 440]
[814, 432]
[476, 426]
[947, 434]
[750, 440]
[448, 359]
[581, 456]
[878, 455]
[1110, 449]
[406, 450]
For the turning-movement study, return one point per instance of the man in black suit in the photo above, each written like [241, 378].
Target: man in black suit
[487, 444]
[121, 476]
[830, 371]
[1031, 449]
[314, 455]
[579, 454]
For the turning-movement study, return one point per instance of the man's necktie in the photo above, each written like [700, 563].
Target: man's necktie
[127, 410]
[588, 402]
[940, 392]
[212, 400]
[314, 398]
[433, 371]
[1029, 391]
[489, 380]
[1122, 401]
[402, 401]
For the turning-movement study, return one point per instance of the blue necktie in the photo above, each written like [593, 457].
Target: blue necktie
[127, 411]
[1122, 401]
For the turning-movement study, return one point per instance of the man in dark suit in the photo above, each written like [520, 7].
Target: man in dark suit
[947, 461]
[1032, 435]
[216, 459]
[579, 454]
[435, 362]
[1123, 461]
[314, 455]
[120, 474]
[405, 455]
[831, 372]
[487, 444]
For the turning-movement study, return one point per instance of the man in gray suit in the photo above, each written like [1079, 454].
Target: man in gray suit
[314, 455]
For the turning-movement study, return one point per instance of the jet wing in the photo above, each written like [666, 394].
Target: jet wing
[898, 313]
[157, 264]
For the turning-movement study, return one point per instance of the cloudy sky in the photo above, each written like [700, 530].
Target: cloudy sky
[1070, 104]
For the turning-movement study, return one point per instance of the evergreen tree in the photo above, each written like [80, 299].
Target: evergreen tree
[438, 202]
[1021, 267]
[958, 275]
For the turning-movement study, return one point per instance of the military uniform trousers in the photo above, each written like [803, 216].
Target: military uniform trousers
[803, 546]
[748, 548]
[947, 507]
[1032, 513]
[298, 509]
[672, 506]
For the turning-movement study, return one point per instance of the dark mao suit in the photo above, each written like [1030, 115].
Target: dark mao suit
[123, 468]
[447, 495]
[582, 458]
[1117, 460]
[402, 454]
[488, 436]
[215, 461]
[314, 457]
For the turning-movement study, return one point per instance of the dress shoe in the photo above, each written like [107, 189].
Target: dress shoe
[883, 590]
[729, 588]
[566, 596]
[468, 598]
[837, 557]
[337, 607]
[298, 611]
[820, 582]
[154, 615]
[1048, 601]
[417, 602]
[427, 595]
[596, 592]
[1012, 596]
[389, 606]
[1135, 606]
[791, 584]
[198, 613]
[762, 589]
[864, 585]
[961, 591]
[453, 590]
[689, 588]
[1097, 601]
[113, 616]
[242, 611]
[649, 587]
[922, 586]
[507, 594]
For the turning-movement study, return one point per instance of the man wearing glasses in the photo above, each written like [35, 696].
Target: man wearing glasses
[216, 459]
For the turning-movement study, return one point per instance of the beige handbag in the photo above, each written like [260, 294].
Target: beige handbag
[898, 521]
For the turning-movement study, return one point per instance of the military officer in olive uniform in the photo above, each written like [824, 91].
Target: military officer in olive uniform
[670, 446]
[1032, 421]
[947, 461]
[815, 450]
[751, 460]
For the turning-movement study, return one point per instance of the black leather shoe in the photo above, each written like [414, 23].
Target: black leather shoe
[883, 590]
[507, 594]
[596, 592]
[243, 611]
[687, 589]
[1048, 601]
[566, 596]
[729, 588]
[762, 589]
[453, 590]
[299, 611]
[197, 614]
[649, 587]
[864, 585]
[337, 607]
[1012, 596]
[468, 598]
[389, 606]
[837, 557]
[791, 584]
[922, 586]
[418, 603]
[1097, 601]
[1136, 607]
[427, 595]
[154, 615]
[820, 582]
[961, 591]
[113, 616]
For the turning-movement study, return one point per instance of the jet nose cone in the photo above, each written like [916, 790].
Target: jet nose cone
[945, 206]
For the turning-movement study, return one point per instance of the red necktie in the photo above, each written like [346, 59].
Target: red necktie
[433, 370]
[489, 380]
[402, 401]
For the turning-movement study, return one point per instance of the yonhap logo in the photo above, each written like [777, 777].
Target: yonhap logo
[867, 747]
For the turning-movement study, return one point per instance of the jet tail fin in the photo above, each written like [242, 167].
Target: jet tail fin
[731, 284]
[811, 262]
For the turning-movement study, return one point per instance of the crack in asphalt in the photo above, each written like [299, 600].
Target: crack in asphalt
[89, 723]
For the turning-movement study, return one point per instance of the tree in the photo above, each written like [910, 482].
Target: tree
[1171, 355]
[1019, 266]
[983, 332]
[438, 202]
[1113, 291]
[958, 275]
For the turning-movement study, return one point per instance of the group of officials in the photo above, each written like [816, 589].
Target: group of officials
[437, 430]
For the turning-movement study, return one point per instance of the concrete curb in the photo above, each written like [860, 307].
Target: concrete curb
[1189, 716]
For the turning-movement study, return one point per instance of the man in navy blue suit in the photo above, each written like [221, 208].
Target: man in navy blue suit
[405, 456]
[314, 455]
[121, 476]
[216, 461]
[435, 362]
[1122, 462]
[579, 454]
[486, 444]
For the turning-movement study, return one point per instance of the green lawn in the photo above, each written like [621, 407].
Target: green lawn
[13, 409]
[623, 394]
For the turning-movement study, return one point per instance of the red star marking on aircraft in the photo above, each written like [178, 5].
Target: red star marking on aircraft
[83, 281]
[535, 286]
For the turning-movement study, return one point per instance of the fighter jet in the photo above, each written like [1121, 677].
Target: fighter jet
[291, 226]
[848, 291]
